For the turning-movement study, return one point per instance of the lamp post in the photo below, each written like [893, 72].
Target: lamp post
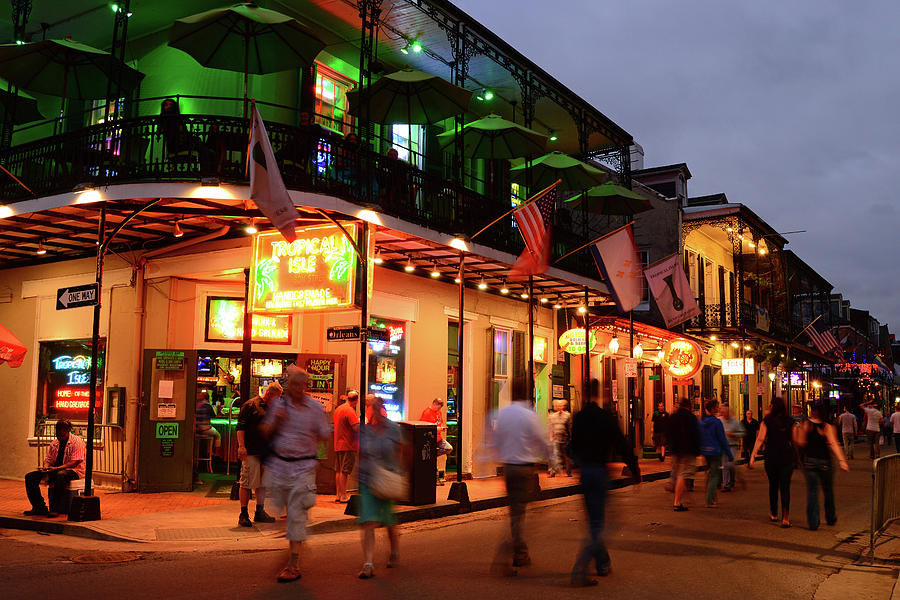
[772, 380]
[458, 490]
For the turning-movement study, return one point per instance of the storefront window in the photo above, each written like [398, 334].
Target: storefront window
[387, 372]
[64, 377]
[501, 353]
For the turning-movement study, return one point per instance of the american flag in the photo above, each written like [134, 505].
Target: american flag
[822, 338]
[533, 219]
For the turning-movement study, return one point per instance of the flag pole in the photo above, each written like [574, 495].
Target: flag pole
[514, 209]
[531, 395]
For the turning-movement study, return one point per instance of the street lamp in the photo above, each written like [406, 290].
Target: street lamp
[772, 379]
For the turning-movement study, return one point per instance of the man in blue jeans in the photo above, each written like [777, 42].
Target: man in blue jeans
[595, 434]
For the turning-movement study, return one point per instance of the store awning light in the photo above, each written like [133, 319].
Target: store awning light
[409, 268]
[582, 309]
[178, 232]
[482, 285]
[504, 290]
[434, 271]
[558, 304]
[460, 244]
[251, 227]
[40, 249]
[614, 345]
[378, 260]
[735, 345]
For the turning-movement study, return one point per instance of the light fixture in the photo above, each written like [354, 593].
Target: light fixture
[434, 271]
[544, 300]
[178, 232]
[582, 309]
[762, 250]
[369, 215]
[409, 268]
[378, 260]
[748, 347]
[41, 250]
[638, 350]
[735, 345]
[524, 294]
[116, 9]
[504, 290]
[416, 46]
[558, 304]
[552, 136]
[751, 244]
[614, 344]
[772, 377]
[405, 48]
[712, 338]
[482, 285]
[485, 95]
[251, 227]
[459, 243]
[457, 280]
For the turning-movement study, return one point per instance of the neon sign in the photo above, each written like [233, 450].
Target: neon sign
[572, 341]
[315, 271]
[225, 323]
[682, 358]
[539, 349]
[65, 377]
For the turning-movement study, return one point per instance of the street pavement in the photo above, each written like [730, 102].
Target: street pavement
[731, 551]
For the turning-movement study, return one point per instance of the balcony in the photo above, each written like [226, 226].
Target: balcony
[718, 317]
[151, 149]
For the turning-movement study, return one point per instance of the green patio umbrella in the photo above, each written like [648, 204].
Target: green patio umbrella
[610, 199]
[21, 106]
[247, 39]
[412, 97]
[572, 173]
[64, 68]
[494, 137]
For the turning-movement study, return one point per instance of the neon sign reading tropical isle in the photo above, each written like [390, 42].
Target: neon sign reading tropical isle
[315, 271]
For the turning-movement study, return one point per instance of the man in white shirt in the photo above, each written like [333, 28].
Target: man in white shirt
[874, 421]
[895, 423]
[848, 430]
[518, 442]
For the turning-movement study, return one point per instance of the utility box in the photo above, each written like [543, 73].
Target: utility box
[420, 460]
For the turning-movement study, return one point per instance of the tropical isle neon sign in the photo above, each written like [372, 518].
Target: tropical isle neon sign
[315, 271]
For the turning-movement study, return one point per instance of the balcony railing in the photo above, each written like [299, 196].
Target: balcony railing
[721, 316]
[190, 147]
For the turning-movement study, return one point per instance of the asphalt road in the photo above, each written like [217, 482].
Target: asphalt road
[727, 552]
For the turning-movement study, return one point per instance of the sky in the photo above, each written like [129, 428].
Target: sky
[789, 107]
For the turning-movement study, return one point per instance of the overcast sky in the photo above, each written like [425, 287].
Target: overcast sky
[789, 107]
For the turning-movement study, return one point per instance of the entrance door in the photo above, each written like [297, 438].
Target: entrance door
[166, 453]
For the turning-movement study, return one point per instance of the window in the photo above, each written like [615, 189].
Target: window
[500, 346]
[710, 281]
[692, 273]
[409, 142]
[387, 367]
[331, 99]
[64, 379]
[645, 289]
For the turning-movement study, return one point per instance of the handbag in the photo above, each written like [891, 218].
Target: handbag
[387, 484]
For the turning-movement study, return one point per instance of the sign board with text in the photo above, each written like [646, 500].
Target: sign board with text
[225, 323]
[343, 333]
[76, 296]
[317, 271]
[732, 366]
[170, 360]
[631, 367]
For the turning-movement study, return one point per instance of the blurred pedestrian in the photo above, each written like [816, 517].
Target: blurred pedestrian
[518, 442]
[816, 437]
[379, 448]
[713, 444]
[346, 444]
[751, 428]
[560, 426]
[734, 433]
[294, 424]
[660, 419]
[874, 421]
[595, 435]
[776, 431]
[895, 425]
[683, 436]
[251, 447]
[848, 430]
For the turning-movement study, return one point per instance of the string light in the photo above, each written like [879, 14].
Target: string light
[409, 268]
[178, 232]
[482, 285]
[434, 271]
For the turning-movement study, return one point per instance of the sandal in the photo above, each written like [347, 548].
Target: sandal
[680, 508]
[368, 571]
[289, 573]
[773, 519]
[785, 525]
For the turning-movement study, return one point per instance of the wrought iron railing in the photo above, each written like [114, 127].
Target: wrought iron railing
[109, 448]
[191, 147]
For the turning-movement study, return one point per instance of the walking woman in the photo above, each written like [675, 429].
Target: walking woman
[713, 444]
[817, 437]
[776, 431]
[379, 447]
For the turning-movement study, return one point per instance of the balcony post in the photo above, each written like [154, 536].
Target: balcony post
[21, 10]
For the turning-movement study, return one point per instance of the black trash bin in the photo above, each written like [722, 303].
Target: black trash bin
[420, 456]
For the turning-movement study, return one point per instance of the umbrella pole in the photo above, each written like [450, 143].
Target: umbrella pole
[62, 102]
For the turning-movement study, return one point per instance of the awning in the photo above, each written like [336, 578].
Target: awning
[622, 325]
[12, 350]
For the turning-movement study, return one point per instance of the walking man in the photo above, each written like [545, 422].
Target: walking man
[734, 433]
[874, 421]
[518, 443]
[63, 463]
[346, 444]
[251, 446]
[848, 430]
[684, 445]
[660, 420]
[751, 428]
[560, 425]
[294, 424]
[595, 435]
[435, 414]
[895, 423]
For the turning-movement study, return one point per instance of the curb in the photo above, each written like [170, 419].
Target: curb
[348, 523]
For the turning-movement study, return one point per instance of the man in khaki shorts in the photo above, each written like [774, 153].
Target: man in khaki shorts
[251, 446]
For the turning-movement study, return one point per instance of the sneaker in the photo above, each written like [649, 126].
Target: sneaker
[244, 520]
[368, 571]
[680, 508]
[262, 517]
[37, 512]
[604, 570]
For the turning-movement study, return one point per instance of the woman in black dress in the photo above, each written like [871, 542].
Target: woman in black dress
[776, 431]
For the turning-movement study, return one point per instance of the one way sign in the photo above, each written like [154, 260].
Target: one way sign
[77, 296]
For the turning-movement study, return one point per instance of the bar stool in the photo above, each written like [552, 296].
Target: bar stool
[199, 442]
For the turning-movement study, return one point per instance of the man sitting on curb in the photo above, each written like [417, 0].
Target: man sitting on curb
[63, 463]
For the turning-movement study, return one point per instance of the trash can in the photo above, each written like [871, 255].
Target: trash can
[420, 458]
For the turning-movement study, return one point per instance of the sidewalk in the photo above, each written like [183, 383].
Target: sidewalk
[207, 513]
